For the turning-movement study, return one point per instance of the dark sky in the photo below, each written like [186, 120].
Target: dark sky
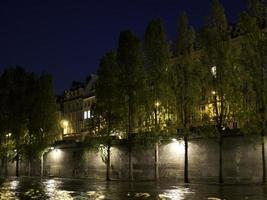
[67, 37]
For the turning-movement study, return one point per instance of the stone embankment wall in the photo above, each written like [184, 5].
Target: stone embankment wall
[242, 161]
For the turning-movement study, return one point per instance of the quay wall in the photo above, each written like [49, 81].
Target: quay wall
[242, 161]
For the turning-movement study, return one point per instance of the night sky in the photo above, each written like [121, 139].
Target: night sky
[67, 37]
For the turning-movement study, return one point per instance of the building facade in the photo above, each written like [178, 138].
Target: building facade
[76, 108]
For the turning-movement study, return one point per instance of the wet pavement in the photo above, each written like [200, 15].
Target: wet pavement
[59, 189]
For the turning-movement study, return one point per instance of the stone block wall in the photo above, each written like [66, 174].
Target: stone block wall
[242, 161]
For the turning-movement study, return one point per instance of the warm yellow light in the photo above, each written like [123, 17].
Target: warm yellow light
[213, 71]
[213, 92]
[56, 154]
[64, 123]
[8, 135]
[157, 104]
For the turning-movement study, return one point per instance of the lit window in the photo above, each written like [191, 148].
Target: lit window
[87, 114]
[213, 71]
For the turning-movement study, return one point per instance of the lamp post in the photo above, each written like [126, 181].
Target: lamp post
[156, 144]
[42, 159]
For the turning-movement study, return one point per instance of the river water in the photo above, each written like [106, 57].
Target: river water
[59, 189]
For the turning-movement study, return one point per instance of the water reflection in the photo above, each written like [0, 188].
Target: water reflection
[65, 189]
[177, 194]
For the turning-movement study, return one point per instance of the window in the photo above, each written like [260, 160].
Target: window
[87, 114]
[213, 71]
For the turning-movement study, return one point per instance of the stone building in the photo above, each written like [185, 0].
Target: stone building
[76, 108]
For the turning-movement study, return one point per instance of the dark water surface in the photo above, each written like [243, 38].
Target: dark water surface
[59, 189]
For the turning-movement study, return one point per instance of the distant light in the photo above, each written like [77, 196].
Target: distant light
[174, 139]
[8, 134]
[213, 71]
[51, 148]
[213, 92]
[157, 104]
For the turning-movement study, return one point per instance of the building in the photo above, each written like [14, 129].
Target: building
[76, 108]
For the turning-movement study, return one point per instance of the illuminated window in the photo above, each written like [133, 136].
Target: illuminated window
[213, 71]
[87, 114]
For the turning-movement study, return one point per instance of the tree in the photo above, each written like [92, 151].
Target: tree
[184, 83]
[130, 82]
[28, 118]
[14, 83]
[257, 9]
[156, 59]
[254, 63]
[220, 71]
[107, 98]
[43, 122]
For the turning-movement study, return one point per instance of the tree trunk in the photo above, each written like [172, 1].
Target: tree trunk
[156, 161]
[17, 164]
[5, 165]
[220, 158]
[186, 179]
[130, 163]
[108, 163]
[263, 159]
[42, 165]
[29, 167]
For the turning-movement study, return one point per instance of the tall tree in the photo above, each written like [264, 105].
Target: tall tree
[220, 67]
[130, 82]
[43, 122]
[257, 9]
[156, 59]
[254, 61]
[15, 81]
[184, 83]
[107, 98]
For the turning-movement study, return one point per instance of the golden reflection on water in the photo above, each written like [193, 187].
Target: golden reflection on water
[53, 191]
[61, 189]
[8, 190]
[175, 194]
